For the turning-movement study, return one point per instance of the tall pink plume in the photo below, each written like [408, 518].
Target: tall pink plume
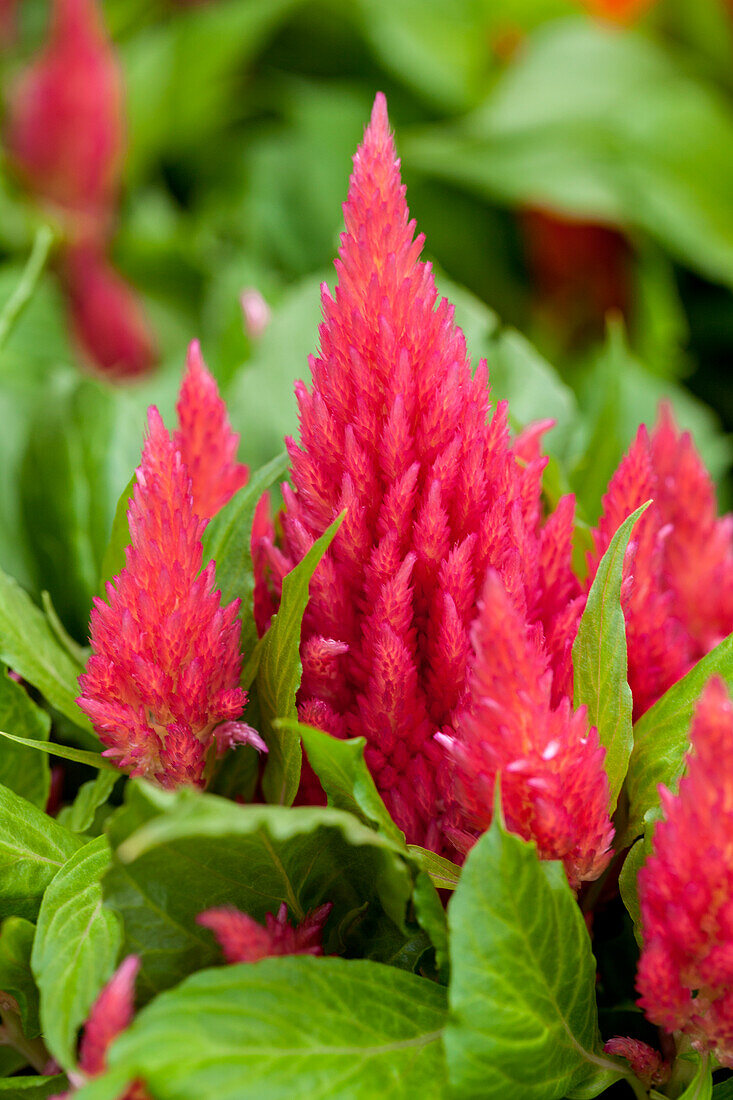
[205, 439]
[678, 591]
[685, 973]
[396, 431]
[553, 785]
[243, 939]
[165, 664]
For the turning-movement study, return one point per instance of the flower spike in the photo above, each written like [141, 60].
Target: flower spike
[165, 664]
[242, 939]
[685, 976]
[205, 439]
[396, 431]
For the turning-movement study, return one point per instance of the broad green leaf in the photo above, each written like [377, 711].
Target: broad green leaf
[22, 769]
[80, 814]
[33, 847]
[443, 874]
[16, 942]
[113, 561]
[278, 675]
[192, 851]
[76, 947]
[522, 994]
[29, 647]
[333, 1028]
[344, 776]
[227, 541]
[662, 736]
[600, 664]
[65, 752]
[33, 1088]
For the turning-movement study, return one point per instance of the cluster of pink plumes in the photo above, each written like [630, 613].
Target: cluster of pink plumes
[441, 620]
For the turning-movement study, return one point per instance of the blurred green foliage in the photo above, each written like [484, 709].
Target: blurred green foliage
[242, 119]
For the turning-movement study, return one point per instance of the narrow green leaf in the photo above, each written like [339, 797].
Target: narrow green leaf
[662, 736]
[252, 857]
[81, 756]
[29, 646]
[344, 776]
[33, 1088]
[113, 561]
[16, 978]
[33, 847]
[522, 995]
[227, 541]
[443, 874]
[278, 676]
[599, 660]
[628, 881]
[332, 1028]
[22, 769]
[76, 947]
[431, 917]
[701, 1086]
[78, 653]
[23, 293]
[80, 814]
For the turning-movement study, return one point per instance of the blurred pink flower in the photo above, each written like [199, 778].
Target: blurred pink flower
[256, 313]
[243, 940]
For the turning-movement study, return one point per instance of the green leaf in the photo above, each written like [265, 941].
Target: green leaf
[176, 856]
[662, 736]
[23, 770]
[78, 653]
[65, 752]
[227, 541]
[278, 676]
[33, 1088]
[431, 917]
[282, 1027]
[113, 561]
[33, 847]
[701, 1086]
[79, 816]
[29, 647]
[77, 943]
[443, 874]
[628, 879]
[724, 1091]
[344, 776]
[599, 660]
[23, 293]
[16, 942]
[522, 995]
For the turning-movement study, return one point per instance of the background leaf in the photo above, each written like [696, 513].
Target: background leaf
[23, 770]
[16, 978]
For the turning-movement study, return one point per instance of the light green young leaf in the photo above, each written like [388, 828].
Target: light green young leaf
[76, 947]
[65, 752]
[332, 1028]
[33, 847]
[22, 769]
[278, 676]
[80, 814]
[344, 776]
[662, 736]
[522, 995]
[599, 660]
[443, 874]
[16, 979]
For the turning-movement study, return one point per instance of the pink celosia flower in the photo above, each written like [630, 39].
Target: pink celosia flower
[242, 939]
[685, 973]
[205, 439]
[678, 593]
[110, 1014]
[396, 431]
[106, 314]
[66, 130]
[165, 664]
[646, 1063]
[553, 786]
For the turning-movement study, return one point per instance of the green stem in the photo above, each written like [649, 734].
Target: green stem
[11, 1034]
[23, 293]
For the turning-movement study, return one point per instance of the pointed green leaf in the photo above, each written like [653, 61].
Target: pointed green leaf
[80, 814]
[443, 874]
[23, 769]
[33, 847]
[278, 676]
[599, 660]
[76, 947]
[331, 1028]
[522, 994]
[65, 752]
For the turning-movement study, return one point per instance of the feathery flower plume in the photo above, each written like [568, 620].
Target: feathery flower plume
[162, 685]
[396, 431]
[109, 1016]
[647, 1064]
[242, 939]
[678, 591]
[106, 315]
[685, 975]
[66, 128]
[553, 785]
[205, 439]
